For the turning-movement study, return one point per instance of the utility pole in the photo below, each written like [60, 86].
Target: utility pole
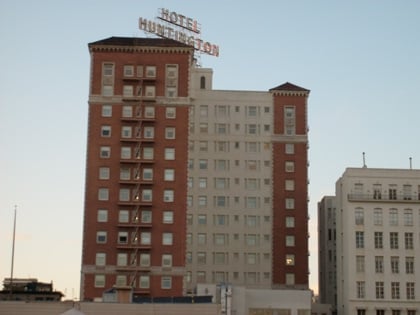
[13, 255]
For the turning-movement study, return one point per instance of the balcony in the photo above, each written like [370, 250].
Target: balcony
[395, 198]
[134, 246]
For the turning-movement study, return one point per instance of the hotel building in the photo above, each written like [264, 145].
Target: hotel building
[187, 185]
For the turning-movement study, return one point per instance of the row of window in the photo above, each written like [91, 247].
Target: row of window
[143, 281]
[125, 259]
[223, 239]
[393, 311]
[223, 220]
[395, 293]
[394, 263]
[378, 240]
[225, 128]
[133, 216]
[224, 111]
[222, 258]
[129, 111]
[148, 132]
[245, 277]
[134, 238]
[378, 216]
[225, 201]
[133, 195]
[392, 193]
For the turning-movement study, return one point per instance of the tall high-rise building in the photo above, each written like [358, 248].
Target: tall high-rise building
[377, 243]
[186, 184]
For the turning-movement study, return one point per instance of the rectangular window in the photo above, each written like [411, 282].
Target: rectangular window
[150, 71]
[379, 288]
[167, 260]
[167, 238]
[360, 289]
[168, 195]
[408, 240]
[289, 166]
[169, 175]
[395, 264]
[104, 173]
[169, 153]
[378, 240]
[290, 222]
[359, 216]
[105, 152]
[147, 174]
[289, 184]
[395, 290]
[149, 112]
[148, 153]
[128, 90]
[126, 132]
[100, 259]
[106, 131]
[106, 110]
[170, 133]
[146, 195]
[168, 217]
[125, 153]
[102, 215]
[144, 282]
[146, 216]
[408, 217]
[377, 216]
[202, 182]
[166, 282]
[409, 265]
[124, 194]
[202, 164]
[360, 239]
[290, 148]
[99, 281]
[123, 216]
[393, 217]
[128, 70]
[101, 237]
[379, 264]
[393, 240]
[360, 263]
[410, 292]
[170, 112]
[290, 203]
[103, 194]
[289, 120]
[290, 240]
[145, 238]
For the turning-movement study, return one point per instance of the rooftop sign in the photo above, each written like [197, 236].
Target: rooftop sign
[172, 25]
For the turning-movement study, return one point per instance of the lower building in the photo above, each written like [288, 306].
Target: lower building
[28, 290]
[378, 250]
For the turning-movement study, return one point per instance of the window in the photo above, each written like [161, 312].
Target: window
[101, 237]
[379, 289]
[168, 217]
[201, 239]
[251, 239]
[289, 166]
[360, 239]
[149, 132]
[149, 112]
[393, 240]
[395, 290]
[126, 132]
[146, 216]
[408, 217]
[251, 202]
[290, 240]
[99, 281]
[290, 260]
[393, 217]
[290, 222]
[289, 120]
[170, 133]
[377, 191]
[128, 90]
[410, 292]
[106, 110]
[202, 219]
[359, 216]
[167, 260]
[125, 153]
[150, 71]
[105, 152]
[377, 216]
[251, 220]
[201, 258]
[395, 262]
[203, 146]
[290, 278]
[202, 164]
[204, 128]
[124, 194]
[121, 259]
[408, 240]
[170, 112]
[360, 289]
[290, 203]
[102, 215]
[204, 111]
[148, 153]
[379, 240]
[123, 216]
[146, 195]
[392, 192]
[167, 239]
[169, 153]
[106, 131]
[202, 182]
[202, 201]
[100, 259]
[290, 148]
[127, 111]
[121, 280]
[379, 264]
[150, 91]
[122, 237]
[169, 174]
[147, 174]
[220, 239]
[251, 129]
[409, 265]
[145, 238]
[168, 195]
[289, 184]
[360, 263]
[144, 281]
[104, 173]
[103, 194]
[128, 70]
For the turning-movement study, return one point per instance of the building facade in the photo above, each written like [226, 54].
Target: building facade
[327, 258]
[186, 184]
[378, 263]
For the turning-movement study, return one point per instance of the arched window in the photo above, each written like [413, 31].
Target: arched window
[203, 82]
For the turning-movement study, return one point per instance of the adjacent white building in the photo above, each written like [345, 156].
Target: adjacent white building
[378, 250]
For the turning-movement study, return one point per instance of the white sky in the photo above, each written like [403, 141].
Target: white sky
[360, 59]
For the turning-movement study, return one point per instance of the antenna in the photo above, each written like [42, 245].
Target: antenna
[13, 254]
[411, 165]
[364, 160]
